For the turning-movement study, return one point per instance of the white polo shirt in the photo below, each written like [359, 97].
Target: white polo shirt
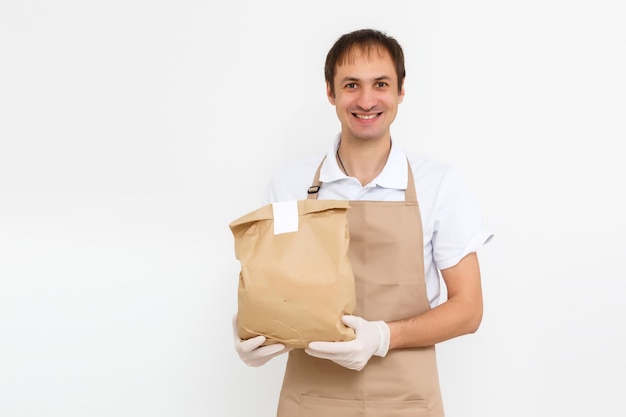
[451, 218]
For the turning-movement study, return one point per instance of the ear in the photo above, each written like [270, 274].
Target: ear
[401, 94]
[329, 94]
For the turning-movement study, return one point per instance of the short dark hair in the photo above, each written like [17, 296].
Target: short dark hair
[367, 40]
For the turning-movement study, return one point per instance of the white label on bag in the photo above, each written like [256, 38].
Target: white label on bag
[285, 217]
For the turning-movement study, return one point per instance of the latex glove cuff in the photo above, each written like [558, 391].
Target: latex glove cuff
[385, 336]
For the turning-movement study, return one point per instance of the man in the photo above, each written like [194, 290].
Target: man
[397, 250]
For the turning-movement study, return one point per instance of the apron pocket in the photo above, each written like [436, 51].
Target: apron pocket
[329, 407]
[334, 407]
[410, 408]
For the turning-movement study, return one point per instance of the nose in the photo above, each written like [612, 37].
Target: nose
[367, 99]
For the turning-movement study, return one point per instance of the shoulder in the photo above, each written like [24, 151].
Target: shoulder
[428, 170]
[438, 183]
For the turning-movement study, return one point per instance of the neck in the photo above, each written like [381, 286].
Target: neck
[363, 161]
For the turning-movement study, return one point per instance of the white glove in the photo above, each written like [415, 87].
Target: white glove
[250, 352]
[372, 338]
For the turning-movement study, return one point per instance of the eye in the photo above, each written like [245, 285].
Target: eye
[381, 84]
[351, 85]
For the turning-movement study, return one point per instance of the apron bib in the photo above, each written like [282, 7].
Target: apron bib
[386, 254]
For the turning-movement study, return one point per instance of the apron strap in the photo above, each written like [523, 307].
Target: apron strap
[314, 189]
[410, 195]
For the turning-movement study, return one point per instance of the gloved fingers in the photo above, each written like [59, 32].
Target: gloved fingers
[352, 321]
[340, 359]
[251, 344]
[321, 355]
[268, 350]
[263, 354]
[332, 348]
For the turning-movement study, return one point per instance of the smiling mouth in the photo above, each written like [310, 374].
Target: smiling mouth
[366, 116]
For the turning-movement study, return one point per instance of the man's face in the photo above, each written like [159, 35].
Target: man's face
[366, 95]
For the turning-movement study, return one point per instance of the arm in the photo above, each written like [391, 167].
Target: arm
[460, 314]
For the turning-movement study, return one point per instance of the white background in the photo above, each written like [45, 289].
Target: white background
[132, 132]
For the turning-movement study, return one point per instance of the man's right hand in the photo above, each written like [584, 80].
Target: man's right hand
[251, 352]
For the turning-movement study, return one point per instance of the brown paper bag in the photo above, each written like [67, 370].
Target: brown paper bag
[295, 285]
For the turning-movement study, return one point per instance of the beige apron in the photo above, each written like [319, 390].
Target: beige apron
[386, 253]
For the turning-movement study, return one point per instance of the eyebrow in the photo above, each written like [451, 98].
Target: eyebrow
[352, 79]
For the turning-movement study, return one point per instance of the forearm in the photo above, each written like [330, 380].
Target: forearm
[451, 319]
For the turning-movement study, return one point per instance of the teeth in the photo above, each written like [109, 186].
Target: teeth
[366, 116]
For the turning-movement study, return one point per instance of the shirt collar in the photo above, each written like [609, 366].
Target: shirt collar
[394, 174]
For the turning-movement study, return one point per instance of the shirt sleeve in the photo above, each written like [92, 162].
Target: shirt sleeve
[459, 227]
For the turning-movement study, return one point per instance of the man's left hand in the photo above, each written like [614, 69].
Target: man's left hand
[372, 338]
